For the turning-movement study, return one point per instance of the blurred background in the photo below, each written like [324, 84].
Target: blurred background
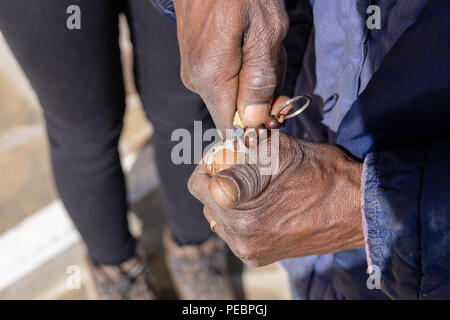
[39, 245]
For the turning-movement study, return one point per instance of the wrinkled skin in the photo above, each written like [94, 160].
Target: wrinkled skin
[309, 205]
[231, 55]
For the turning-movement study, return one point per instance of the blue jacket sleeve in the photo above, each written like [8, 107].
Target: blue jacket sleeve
[406, 205]
[400, 126]
[165, 7]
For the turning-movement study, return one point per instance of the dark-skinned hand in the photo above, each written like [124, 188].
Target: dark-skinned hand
[231, 55]
[310, 204]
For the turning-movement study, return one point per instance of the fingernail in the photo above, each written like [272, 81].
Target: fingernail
[223, 191]
[255, 114]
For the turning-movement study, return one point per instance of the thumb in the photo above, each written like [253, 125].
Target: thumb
[257, 83]
[261, 74]
[237, 185]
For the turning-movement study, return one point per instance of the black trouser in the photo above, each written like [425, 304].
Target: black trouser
[78, 79]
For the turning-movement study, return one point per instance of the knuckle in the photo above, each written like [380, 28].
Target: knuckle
[274, 31]
[278, 31]
[262, 79]
[280, 19]
[202, 68]
[248, 250]
[243, 227]
[202, 76]
[186, 80]
[198, 69]
[254, 263]
[282, 24]
[191, 185]
[244, 252]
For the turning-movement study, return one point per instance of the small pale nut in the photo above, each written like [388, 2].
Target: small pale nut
[224, 155]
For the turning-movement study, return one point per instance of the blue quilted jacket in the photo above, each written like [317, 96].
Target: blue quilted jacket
[383, 95]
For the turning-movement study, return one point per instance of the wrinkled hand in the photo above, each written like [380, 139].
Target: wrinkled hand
[230, 55]
[309, 205]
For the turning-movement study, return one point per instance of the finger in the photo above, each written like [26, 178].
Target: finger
[225, 192]
[237, 185]
[218, 228]
[198, 186]
[211, 58]
[278, 103]
[257, 83]
[207, 215]
[221, 104]
[281, 72]
[259, 75]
